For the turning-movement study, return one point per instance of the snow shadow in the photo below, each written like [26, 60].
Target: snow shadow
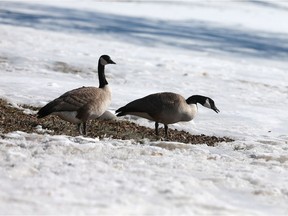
[189, 34]
[267, 4]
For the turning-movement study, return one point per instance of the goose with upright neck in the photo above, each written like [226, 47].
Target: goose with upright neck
[166, 108]
[82, 104]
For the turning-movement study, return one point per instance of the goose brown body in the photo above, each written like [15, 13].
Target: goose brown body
[79, 105]
[165, 108]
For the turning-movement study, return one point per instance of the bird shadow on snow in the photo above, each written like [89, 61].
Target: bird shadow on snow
[189, 34]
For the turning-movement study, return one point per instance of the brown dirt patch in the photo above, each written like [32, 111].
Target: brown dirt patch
[13, 119]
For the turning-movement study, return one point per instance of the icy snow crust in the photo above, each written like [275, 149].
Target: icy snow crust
[233, 52]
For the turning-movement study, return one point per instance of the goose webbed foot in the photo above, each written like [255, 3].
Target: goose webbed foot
[164, 139]
[82, 128]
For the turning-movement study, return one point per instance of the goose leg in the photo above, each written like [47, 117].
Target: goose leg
[156, 128]
[82, 128]
[166, 131]
[79, 127]
[85, 128]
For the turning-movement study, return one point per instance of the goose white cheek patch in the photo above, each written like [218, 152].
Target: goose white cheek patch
[207, 104]
[103, 61]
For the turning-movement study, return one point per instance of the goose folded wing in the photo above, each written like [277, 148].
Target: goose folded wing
[149, 104]
[73, 100]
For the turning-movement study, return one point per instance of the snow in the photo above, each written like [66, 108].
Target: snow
[230, 51]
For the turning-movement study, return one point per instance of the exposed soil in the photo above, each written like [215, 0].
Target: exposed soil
[13, 119]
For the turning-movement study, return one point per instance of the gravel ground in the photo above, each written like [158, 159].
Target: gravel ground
[21, 119]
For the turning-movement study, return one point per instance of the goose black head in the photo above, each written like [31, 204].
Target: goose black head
[105, 59]
[204, 101]
[209, 103]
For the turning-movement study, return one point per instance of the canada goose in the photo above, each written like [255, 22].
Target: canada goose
[166, 108]
[82, 104]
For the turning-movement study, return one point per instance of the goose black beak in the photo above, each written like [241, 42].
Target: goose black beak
[111, 62]
[215, 109]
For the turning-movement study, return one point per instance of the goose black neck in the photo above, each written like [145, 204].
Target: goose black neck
[196, 99]
[101, 76]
